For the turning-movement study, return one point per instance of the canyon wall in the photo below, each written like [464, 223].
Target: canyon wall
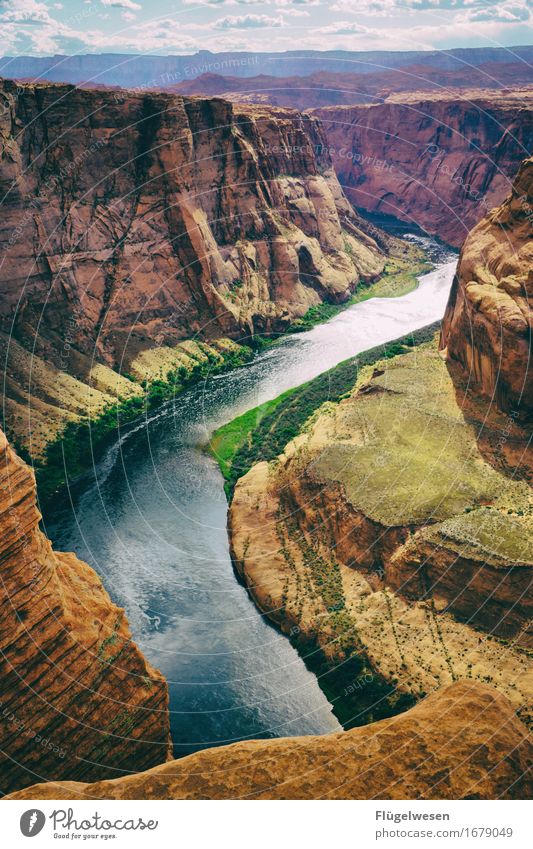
[440, 161]
[488, 326]
[78, 697]
[133, 221]
[461, 743]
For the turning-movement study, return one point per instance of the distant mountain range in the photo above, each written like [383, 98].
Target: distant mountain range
[112, 69]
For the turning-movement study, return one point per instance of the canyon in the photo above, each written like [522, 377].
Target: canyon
[441, 749]
[395, 529]
[398, 524]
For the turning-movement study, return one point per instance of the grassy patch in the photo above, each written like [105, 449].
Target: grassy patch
[82, 442]
[263, 433]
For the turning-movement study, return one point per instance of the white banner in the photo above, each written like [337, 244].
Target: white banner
[265, 825]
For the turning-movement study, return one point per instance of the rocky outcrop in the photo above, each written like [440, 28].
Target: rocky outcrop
[464, 742]
[398, 527]
[488, 326]
[78, 698]
[440, 161]
[132, 221]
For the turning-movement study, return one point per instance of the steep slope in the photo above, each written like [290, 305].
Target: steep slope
[462, 743]
[488, 326]
[78, 698]
[133, 221]
[440, 160]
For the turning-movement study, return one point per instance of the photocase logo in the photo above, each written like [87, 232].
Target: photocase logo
[32, 822]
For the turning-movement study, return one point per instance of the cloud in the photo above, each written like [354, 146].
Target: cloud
[247, 22]
[122, 4]
[346, 28]
[505, 13]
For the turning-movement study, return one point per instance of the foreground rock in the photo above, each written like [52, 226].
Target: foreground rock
[488, 327]
[441, 161]
[462, 743]
[78, 697]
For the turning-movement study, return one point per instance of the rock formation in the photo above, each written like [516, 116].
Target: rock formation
[440, 161]
[461, 743]
[78, 698]
[133, 221]
[488, 326]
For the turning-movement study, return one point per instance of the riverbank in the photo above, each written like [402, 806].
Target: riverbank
[81, 442]
[152, 520]
[263, 432]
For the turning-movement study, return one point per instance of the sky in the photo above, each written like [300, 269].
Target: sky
[46, 27]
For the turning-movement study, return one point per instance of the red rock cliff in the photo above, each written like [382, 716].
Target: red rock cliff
[488, 325]
[134, 218]
[440, 161]
[78, 697]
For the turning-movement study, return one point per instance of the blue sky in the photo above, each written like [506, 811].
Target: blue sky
[44, 27]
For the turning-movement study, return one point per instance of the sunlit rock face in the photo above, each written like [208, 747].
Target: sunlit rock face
[78, 697]
[488, 326]
[131, 221]
[461, 743]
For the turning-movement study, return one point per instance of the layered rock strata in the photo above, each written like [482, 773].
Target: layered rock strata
[440, 161]
[132, 221]
[461, 743]
[78, 698]
[487, 330]
[399, 528]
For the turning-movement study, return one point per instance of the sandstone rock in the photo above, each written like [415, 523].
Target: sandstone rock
[131, 221]
[78, 698]
[440, 161]
[488, 326]
[461, 743]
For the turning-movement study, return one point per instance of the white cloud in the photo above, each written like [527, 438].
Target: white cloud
[512, 12]
[346, 28]
[122, 4]
[247, 22]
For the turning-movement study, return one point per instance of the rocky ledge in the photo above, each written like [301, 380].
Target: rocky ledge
[132, 221]
[78, 698]
[461, 743]
[391, 530]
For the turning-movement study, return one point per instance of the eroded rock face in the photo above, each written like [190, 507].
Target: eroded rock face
[439, 161]
[488, 326]
[462, 743]
[133, 221]
[78, 697]
[160, 216]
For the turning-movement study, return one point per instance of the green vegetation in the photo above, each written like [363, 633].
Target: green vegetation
[82, 442]
[399, 277]
[262, 433]
[418, 449]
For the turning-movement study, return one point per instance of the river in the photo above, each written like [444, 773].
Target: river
[151, 520]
